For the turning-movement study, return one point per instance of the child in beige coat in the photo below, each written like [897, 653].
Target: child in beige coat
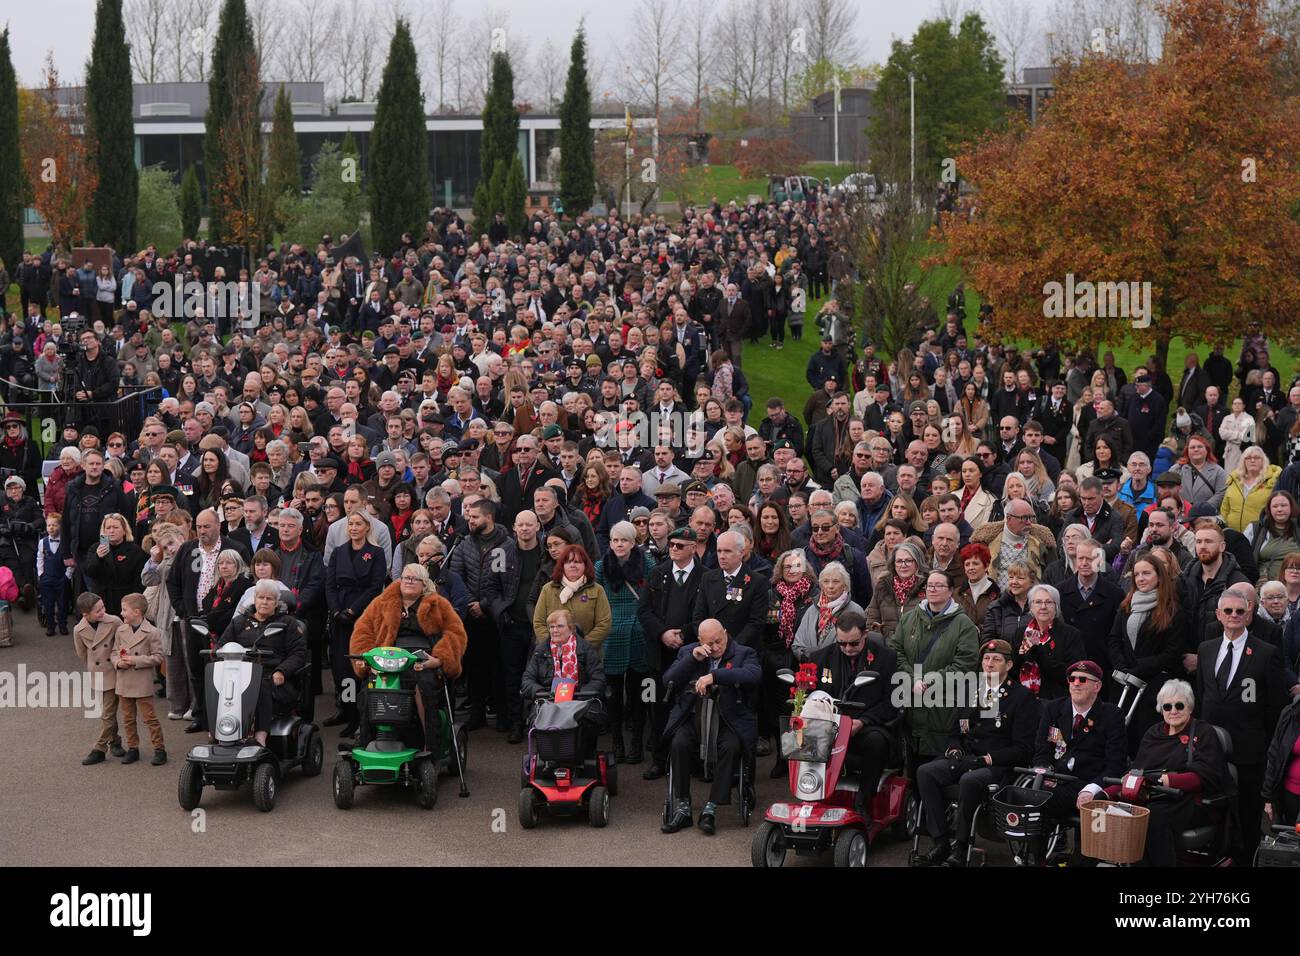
[137, 650]
[93, 640]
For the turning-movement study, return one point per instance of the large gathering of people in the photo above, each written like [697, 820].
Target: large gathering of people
[557, 436]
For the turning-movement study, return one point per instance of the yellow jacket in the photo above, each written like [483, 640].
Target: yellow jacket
[1239, 509]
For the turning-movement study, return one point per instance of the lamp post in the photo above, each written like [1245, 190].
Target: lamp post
[911, 86]
[836, 111]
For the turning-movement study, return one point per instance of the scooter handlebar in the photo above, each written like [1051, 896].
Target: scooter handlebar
[1151, 785]
[1046, 774]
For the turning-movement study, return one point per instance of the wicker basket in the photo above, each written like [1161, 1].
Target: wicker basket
[1112, 837]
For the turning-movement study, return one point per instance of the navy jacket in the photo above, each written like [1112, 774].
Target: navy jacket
[738, 672]
[355, 578]
[1097, 751]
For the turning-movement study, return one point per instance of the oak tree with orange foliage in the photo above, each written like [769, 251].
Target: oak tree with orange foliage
[1184, 173]
[62, 179]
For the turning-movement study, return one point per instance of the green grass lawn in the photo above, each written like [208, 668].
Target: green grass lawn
[725, 182]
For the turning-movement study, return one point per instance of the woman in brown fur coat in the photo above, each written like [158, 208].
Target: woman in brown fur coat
[412, 615]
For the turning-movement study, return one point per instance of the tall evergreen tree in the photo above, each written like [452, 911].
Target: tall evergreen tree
[500, 119]
[234, 69]
[191, 203]
[400, 188]
[577, 145]
[284, 175]
[514, 197]
[12, 180]
[110, 132]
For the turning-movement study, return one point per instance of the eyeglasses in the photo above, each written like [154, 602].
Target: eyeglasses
[640, 520]
[1080, 679]
[935, 586]
[1175, 705]
[1234, 611]
[822, 527]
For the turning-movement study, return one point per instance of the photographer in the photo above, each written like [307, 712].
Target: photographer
[95, 374]
[20, 525]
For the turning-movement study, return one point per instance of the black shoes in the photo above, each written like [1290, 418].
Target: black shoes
[49, 632]
[958, 855]
[115, 748]
[335, 719]
[654, 772]
[159, 758]
[516, 733]
[707, 823]
[680, 820]
[195, 727]
[132, 755]
[635, 751]
[939, 853]
[92, 758]
[63, 629]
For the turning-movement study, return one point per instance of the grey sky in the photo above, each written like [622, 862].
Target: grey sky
[36, 29]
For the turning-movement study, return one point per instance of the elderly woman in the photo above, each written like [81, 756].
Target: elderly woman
[1047, 646]
[573, 587]
[977, 591]
[622, 571]
[562, 656]
[411, 614]
[1249, 486]
[817, 626]
[899, 591]
[288, 651]
[1064, 568]
[1188, 756]
[56, 486]
[218, 605]
[166, 541]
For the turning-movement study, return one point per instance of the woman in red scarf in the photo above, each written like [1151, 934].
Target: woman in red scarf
[794, 590]
[592, 491]
[1047, 647]
[401, 502]
[563, 657]
[359, 468]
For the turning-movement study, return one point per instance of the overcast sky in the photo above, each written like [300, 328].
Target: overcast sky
[67, 27]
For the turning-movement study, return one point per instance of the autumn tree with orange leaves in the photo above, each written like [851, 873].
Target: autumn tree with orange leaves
[1184, 173]
[61, 179]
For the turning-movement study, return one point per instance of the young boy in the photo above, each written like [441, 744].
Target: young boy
[93, 640]
[137, 650]
[51, 576]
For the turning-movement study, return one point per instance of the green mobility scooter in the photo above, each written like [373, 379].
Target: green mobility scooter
[381, 755]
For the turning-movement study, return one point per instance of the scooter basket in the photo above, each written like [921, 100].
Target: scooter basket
[390, 706]
[1278, 850]
[1017, 812]
[818, 741]
[558, 746]
[1116, 837]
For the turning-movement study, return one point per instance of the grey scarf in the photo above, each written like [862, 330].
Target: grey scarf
[1140, 609]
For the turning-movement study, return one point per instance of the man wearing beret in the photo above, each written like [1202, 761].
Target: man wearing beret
[988, 738]
[667, 603]
[1081, 736]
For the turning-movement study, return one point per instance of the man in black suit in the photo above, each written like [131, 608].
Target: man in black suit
[1241, 687]
[1081, 736]
[736, 597]
[518, 484]
[302, 571]
[871, 737]
[1089, 599]
[667, 603]
[734, 317]
[1104, 525]
[987, 740]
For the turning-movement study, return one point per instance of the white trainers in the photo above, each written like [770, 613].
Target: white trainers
[188, 715]
[175, 716]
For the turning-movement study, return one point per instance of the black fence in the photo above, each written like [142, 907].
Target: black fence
[46, 417]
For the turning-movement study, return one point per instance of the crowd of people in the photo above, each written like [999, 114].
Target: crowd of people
[557, 436]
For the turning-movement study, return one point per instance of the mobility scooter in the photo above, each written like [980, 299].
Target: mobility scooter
[823, 815]
[233, 756]
[564, 773]
[381, 756]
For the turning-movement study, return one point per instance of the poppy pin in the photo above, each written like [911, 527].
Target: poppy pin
[727, 666]
[366, 556]
[1183, 739]
[1249, 651]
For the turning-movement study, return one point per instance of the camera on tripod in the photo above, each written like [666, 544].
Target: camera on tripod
[73, 326]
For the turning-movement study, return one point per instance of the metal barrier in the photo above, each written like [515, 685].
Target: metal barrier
[126, 414]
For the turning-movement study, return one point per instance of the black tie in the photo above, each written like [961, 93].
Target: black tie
[1225, 670]
[681, 577]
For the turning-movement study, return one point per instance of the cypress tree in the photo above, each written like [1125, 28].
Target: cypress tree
[500, 119]
[12, 180]
[284, 177]
[577, 147]
[400, 187]
[110, 132]
[234, 66]
[191, 204]
[514, 198]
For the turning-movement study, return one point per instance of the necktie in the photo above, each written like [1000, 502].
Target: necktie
[1222, 675]
[681, 577]
[663, 476]
[1078, 722]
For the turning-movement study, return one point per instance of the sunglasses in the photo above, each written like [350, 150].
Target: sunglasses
[1176, 705]
[679, 544]
[1234, 611]
[1080, 679]
[849, 644]
[822, 527]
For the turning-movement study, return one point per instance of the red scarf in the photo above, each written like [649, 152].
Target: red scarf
[903, 588]
[354, 470]
[966, 495]
[791, 595]
[1031, 676]
[564, 659]
[831, 552]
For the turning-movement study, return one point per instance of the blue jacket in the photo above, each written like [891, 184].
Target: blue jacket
[738, 672]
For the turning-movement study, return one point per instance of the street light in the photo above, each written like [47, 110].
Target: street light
[911, 86]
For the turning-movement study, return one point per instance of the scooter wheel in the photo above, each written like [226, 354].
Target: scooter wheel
[851, 849]
[598, 807]
[264, 788]
[344, 784]
[528, 801]
[427, 776]
[611, 778]
[189, 789]
[905, 826]
[314, 762]
[767, 849]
